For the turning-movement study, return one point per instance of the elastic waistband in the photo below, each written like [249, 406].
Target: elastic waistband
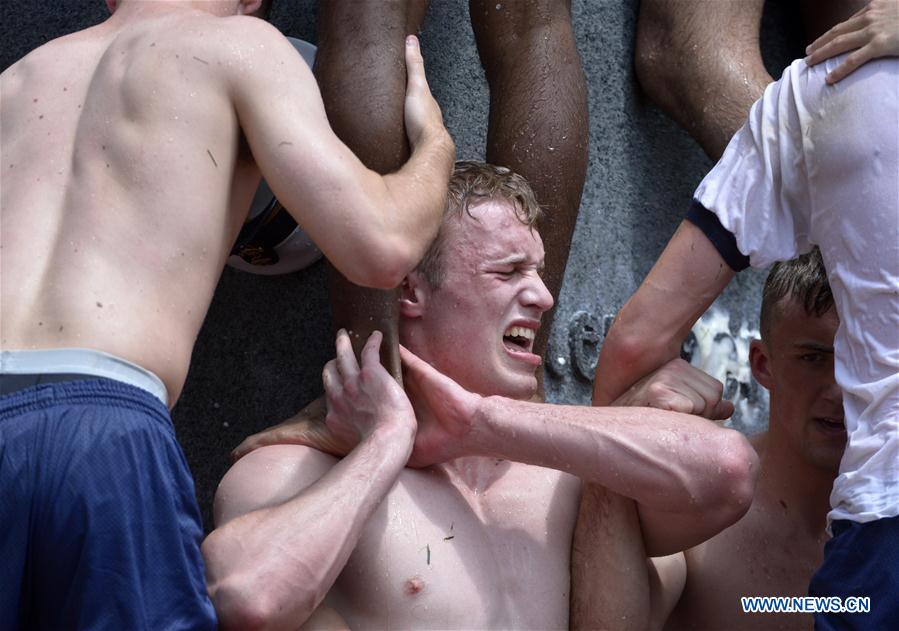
[92, 392]
[81, 361]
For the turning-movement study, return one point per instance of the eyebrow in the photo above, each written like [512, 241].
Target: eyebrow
[517, 259]
[814, 346]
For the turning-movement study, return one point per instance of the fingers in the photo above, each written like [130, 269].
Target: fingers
[248, 445]
[722, 410]
[371, 353]
[415, 67]
[837, 46]
[850, 64]
[855, 23]
[346, 359]
[331, 381]
[410, 360]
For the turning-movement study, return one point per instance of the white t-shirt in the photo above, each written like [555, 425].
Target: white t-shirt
[819, 165]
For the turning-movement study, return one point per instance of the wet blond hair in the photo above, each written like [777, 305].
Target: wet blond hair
[471, 184]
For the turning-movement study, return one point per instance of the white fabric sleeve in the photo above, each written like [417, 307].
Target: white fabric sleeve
[759, 188]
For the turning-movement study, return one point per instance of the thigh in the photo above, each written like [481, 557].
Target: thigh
[115, 536]
[16, 478]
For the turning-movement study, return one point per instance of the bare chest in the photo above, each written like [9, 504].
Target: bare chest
[749, 559]
[437, 554]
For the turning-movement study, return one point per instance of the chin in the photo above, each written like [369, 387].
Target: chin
[519, 387]
[826, 459]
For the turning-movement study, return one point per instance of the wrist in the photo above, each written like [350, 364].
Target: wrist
[395, 432]
[478, 440]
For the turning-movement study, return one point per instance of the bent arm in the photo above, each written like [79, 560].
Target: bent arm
[697, 475]
[650, 328]
[285, 530]
[374, 229]
[282, 537]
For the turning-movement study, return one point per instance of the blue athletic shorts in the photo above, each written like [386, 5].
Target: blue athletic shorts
[99, 524]
[862, 559]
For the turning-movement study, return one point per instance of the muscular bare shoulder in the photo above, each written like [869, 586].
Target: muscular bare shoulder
[267, 477]
[252, 52]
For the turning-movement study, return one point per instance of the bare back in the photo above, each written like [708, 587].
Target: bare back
[123, 188]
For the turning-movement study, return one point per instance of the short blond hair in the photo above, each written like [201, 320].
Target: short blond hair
[472, 183]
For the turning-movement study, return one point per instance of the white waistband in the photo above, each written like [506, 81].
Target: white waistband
[82, 361]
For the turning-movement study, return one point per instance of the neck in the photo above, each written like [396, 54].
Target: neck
[795, 487]
[476, 473]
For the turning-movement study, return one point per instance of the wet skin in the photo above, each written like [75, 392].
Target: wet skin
[493, 264]
[528, 52]
[776, 547]
[700, 60]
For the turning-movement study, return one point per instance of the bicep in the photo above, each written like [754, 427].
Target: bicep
[266, 477]
[311, 171]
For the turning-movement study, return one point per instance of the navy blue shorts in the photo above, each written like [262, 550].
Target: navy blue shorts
[860, 560]
[99, 524]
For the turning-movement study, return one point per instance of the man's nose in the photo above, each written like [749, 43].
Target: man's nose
[537, 295]
[833, 392]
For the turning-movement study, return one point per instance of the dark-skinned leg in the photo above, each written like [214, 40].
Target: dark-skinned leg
[361, 71]
[538, 114]
[699, 60]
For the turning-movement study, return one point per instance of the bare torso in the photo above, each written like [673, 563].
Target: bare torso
[472, 544]
[124, 186]
[767, 553]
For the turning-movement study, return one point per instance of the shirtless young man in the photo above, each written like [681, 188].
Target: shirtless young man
[471, 538]
[774, 549]
[130, 153]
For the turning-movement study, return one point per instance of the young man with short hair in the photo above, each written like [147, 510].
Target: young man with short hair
[774, 549]
[478, 534]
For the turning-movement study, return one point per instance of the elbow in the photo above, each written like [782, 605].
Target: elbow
[242, 606]
[731, 496]
[236, 610]
[661, 63]
[245, 599]
[385, 266]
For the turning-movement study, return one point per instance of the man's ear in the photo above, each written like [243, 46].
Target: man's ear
[249, 7]
[413, 296]
[759, 362]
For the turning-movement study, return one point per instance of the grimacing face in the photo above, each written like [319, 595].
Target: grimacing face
[796, 365]
[478, 327]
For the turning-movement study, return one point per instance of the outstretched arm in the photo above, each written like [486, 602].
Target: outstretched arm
[689, 477]
[373, 228]
[872, 32]
[288, 517]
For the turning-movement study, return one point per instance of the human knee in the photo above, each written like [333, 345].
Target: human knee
[657, 62]
[509, 32]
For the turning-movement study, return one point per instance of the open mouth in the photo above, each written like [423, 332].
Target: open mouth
[519, 343]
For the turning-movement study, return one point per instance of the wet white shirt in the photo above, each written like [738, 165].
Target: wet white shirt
[819, 165]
